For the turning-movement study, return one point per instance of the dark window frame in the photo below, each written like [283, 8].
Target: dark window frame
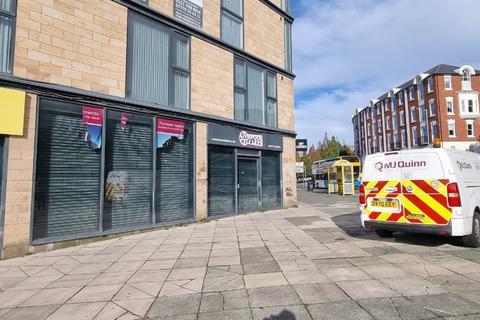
[172, 68]
[235, 16]
[3, 178]
[288, 46]
[12, 16]
[244, 90]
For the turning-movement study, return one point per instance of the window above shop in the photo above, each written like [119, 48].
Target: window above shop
[232, 22]
[158, 66]
[7, 26]
[255, 94]
[288, 46]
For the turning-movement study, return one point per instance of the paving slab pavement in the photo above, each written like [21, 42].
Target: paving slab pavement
[313, 262]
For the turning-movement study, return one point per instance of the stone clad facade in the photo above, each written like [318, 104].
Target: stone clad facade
[76, 54]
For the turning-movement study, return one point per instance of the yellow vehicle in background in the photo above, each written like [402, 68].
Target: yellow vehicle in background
[320, 170]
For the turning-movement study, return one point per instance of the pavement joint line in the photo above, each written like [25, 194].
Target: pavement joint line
[241, 264]
[206, 271]
[163, 284]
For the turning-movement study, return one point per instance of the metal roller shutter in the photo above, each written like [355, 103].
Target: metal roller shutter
[271, 189]
[221, 181]
[128, 153]
[247, 185]
[174, 193]
[67, 189]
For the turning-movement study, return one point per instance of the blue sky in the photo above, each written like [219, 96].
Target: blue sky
[347, 52]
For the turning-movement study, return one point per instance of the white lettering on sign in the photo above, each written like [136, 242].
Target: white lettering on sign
[380, 166]
[249, 139]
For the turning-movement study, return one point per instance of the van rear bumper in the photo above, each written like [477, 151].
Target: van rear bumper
[444, 230]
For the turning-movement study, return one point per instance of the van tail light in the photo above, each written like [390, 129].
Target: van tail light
[361, 198]
[453, 195]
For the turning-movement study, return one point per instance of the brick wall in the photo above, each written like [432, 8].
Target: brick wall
[18, 200]
[264, 33]
[289, 175]
[278, 3]
[286, 115]
[164, 6]
[212, 79]
[74, 43]
[211, 14]
[460, 122]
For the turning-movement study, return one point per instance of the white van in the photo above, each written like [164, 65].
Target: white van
[430, 190]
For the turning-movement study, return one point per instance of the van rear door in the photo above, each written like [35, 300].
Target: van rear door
[383, 187]
[424, 189]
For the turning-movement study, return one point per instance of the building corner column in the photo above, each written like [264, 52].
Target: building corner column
[19, 175]
[201, 171]
[289, 176]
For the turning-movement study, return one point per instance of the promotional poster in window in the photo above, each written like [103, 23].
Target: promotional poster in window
[93, 118]
[168, 131]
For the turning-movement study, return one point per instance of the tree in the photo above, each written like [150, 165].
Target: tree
[328, 148]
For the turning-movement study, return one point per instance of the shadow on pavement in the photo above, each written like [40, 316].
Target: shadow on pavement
[351, 225]
[284, 315]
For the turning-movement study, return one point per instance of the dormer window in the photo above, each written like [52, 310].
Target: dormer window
[466, 80]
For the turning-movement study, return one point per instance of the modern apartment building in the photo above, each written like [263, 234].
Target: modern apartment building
[440, 104]
[123, 115]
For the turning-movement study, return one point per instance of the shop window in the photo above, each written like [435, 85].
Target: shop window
[174, 171]
[271, 180]
[67, 183]
[255, 94]
[232, 22]
[158, 66]
[128, 171]
[288, 46]
[221, 181]
[7, 26]
[79, 143]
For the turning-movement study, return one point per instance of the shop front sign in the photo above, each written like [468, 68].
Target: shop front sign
[301, 145]
[242, 138]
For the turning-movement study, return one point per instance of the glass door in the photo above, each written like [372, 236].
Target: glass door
[248, 197]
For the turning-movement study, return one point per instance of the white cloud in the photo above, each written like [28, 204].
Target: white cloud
[366, 47]
[330, 112]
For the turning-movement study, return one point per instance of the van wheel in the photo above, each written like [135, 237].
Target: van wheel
[384, 233]
[473, 240]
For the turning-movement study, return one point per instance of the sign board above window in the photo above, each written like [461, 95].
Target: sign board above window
[243, 138]
[190, 12]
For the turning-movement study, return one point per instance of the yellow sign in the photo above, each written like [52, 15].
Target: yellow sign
[387, 203]
[12, 110]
